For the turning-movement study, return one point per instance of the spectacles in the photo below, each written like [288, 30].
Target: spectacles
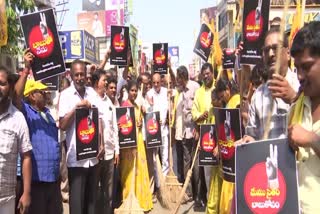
[273, 47]
[40, 92]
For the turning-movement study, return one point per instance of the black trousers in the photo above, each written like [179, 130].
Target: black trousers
[195, 187]
[180, 163]
[45, 198]
[106, 174]
[83, 186]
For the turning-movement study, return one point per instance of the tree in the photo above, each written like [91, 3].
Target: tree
[13, 9]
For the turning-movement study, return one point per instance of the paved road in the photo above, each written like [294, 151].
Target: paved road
[184, 209]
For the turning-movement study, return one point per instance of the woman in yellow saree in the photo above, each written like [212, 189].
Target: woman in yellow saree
[142, 183]
[227, 93]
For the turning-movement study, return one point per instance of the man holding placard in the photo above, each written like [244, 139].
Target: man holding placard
[83, 174]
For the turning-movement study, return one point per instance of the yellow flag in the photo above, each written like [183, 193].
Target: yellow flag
[216, 48]
[3, 24]
[296, 24]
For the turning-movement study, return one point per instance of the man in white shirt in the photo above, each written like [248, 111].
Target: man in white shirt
[110, 138]
[83, 174]
[158, 100]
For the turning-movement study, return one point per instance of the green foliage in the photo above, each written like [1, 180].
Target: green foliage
[13, 9]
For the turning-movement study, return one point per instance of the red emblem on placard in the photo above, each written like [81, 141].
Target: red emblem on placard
[119, 41]
[208, 143]
[226, 142]
[260, 198]
[253, 26]
[126, 124]
[206, 39]
[86, 130]
[152, 126]
[41, 41]
[159, 57]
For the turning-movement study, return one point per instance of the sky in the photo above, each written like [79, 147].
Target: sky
[172, 21]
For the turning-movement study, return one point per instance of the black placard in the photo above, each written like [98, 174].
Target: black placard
[52, 83]
[119, 45]
[160, 57]
[153, 129]
[229, 59]
[204, 42]
[127, 127]
[255, 26]
[130, 62]
[87, 133]
[208, 142]
[41, 36]
[266, 179]
[228, 131]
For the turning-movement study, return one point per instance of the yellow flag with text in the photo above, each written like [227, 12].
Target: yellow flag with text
[3, 24]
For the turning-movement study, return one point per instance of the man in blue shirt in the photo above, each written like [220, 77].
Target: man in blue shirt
[45, 188]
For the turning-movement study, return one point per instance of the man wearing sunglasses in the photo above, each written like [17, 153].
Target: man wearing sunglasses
[281, 89]
[45, 157]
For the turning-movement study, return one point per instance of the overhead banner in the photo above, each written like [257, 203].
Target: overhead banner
[87, 133]
[208, 143]
[266, 178]
[127, 127]
[173, 53]
[112, 18]
[41, 36]
[153, 130]
[229, 59]
[204, 42]
[160, 57]
[255, 26]
[93, 5]
[78, 44]
[93, 22]
[119, 45]
[228, 131]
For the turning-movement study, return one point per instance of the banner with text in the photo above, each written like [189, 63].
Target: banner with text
[204, 42]
[266, 178]
[255, 26]
[87, 133]
[228, 131]
[153, 129]
[127, 127]
[41, 37]
[160, 57]
[208, 143]
[119, 45]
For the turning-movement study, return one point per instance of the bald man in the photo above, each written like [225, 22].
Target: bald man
[157, 97]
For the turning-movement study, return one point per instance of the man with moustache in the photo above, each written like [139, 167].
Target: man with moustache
[14, 139]
[200, 112]
[45, 194]
[82, 174]
[281, 89]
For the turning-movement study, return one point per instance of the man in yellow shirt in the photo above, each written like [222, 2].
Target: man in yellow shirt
[200, 114]
[304, 117]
